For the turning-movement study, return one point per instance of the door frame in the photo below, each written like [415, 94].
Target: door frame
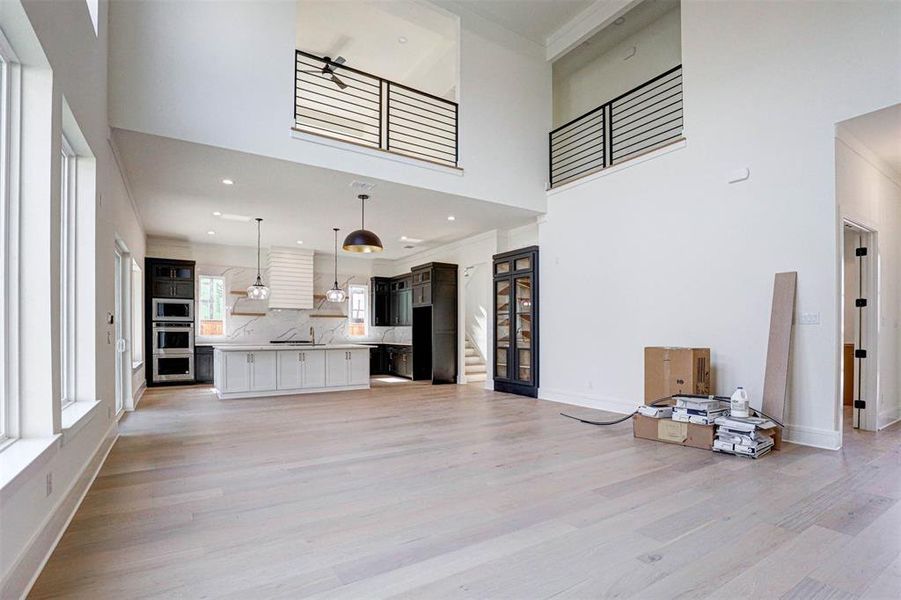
[122, 315]
[866, 370]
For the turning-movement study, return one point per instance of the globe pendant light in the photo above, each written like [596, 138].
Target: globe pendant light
[335, 294]
[362, 240]
[258, 291]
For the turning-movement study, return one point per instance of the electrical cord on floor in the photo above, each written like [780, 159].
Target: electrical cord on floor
[620, 420]
[655, 403]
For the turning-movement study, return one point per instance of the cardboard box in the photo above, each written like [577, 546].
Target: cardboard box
[671, 371]
[674, 432]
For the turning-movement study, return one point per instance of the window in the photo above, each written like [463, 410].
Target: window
[137, 315]
[9, 70]
[358, 307]
[68, 201]
[94, 10]
[212, 306]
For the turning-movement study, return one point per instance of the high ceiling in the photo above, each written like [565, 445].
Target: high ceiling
[409, 42]
[880, 131]
[178, 186]
[532, 19]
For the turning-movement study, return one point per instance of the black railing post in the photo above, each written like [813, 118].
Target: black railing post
[608, 133]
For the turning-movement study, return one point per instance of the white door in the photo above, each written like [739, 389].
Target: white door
[358, 372]
[336, 368]
[313, 368]
[290, 370]
[236, 371]
[265, 370]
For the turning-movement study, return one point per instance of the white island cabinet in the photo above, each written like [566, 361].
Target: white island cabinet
[274, 369]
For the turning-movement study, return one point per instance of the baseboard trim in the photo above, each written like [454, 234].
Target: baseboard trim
[616, 405]
[136, 398]
[811, 436]
[31, 563]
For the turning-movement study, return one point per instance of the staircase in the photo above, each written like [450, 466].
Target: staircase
[475, 364]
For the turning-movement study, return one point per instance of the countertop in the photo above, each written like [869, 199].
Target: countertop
[258, 347]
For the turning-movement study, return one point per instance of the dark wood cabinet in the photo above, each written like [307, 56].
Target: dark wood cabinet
[516, 322]
[400, 305]
[170, 278]
[203, 364]
[380, 301]
[434, 307]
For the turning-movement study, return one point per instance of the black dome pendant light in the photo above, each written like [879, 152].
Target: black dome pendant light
[362, 240]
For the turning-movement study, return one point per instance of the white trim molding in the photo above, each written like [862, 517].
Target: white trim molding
[606, 403]
[811, 436]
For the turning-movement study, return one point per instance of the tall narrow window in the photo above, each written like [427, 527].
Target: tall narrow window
[68, 202]
[212, 306]
[358, 306]
[137, 315]
[7, 221]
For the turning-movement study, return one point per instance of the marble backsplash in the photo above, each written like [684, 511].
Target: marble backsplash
[290, 324]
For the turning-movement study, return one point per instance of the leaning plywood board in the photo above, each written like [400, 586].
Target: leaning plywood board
[775, 381]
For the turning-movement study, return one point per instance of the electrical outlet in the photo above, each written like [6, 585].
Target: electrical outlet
[810, 318]
[49, 483]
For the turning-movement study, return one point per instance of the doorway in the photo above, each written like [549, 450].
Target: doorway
[122, 301]
[859, 372]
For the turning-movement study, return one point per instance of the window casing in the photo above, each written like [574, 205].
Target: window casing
[212, 306]
[67, 244]
[9, 106]
[357, 310]
[137, 315]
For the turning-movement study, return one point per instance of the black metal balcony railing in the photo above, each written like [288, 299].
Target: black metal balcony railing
[643, 119]
[373, 112]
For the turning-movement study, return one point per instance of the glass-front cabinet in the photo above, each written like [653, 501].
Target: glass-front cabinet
[516, 322]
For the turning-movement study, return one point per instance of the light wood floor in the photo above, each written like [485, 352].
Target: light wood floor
[425, 492]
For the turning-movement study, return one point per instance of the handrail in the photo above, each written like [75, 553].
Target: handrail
[647, 104]
[397, 118]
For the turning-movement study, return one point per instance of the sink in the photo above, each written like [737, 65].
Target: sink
[294, 343]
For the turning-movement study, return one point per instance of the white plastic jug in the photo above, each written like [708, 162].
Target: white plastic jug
[739, 405]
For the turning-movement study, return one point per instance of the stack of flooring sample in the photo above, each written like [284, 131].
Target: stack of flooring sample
[743, 436]
[701, 410]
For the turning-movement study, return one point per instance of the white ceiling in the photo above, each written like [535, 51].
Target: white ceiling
[409, 42]
[178, 185]
[880, 131]
[532, 19]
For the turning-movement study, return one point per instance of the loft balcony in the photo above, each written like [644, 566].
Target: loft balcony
[630, 125]
[340, 102]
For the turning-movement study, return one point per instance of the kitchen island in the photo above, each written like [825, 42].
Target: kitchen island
[248, 371]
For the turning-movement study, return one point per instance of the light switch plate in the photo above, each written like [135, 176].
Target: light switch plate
[810, 318]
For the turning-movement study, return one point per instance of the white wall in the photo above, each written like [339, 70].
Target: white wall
[221, 73]
[666, 252]
[32, 519]
[644, 54]
[851, 287]
[870, 194]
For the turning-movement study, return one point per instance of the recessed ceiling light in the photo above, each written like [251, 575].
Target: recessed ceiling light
[228, 181]
[300, 241]
[216, 213]
[211, 232]
[405, 238]
[401, 40]
[452, 218]
[619, 21]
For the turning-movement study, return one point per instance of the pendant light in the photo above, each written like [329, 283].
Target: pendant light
[258, 291]
[335, 294]
[362, 240]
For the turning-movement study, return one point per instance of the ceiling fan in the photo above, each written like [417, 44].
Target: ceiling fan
[329, 70]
